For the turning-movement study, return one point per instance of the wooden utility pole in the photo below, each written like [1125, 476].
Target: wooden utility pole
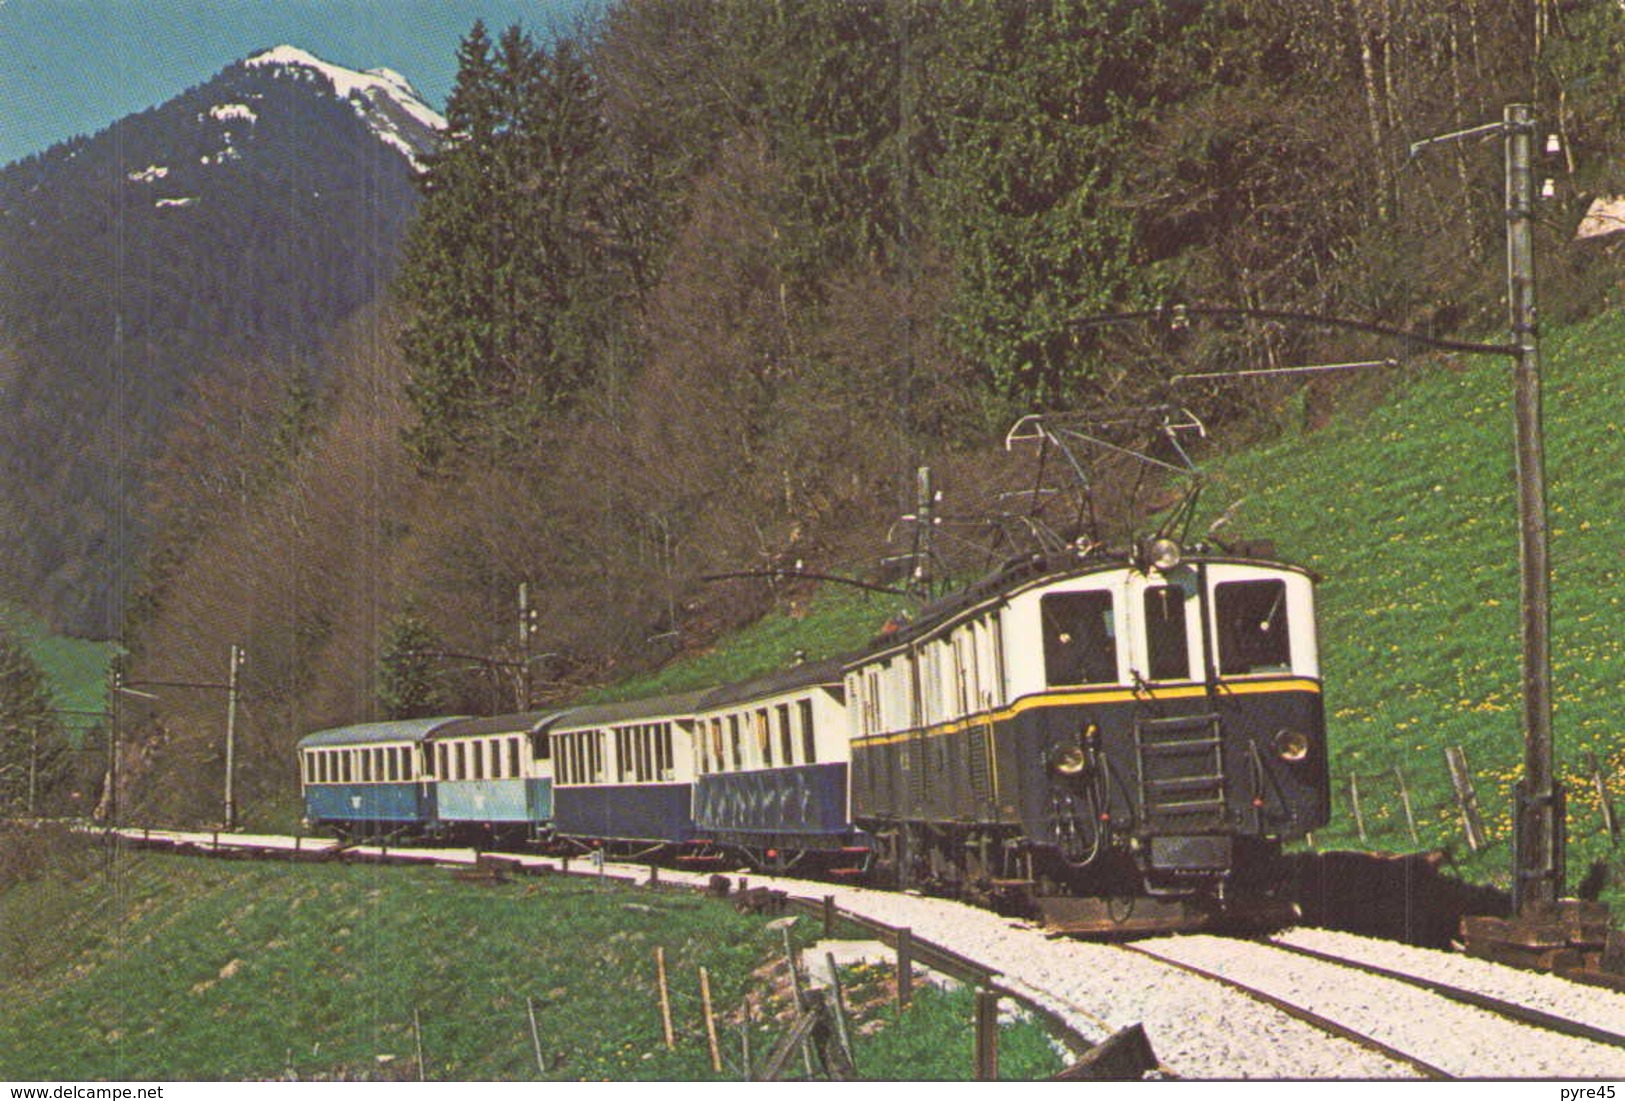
[1538, 823]
[231, 738]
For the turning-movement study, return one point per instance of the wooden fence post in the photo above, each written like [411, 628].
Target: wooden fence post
[905, 967]
[1609, 820]
[1466, 797]
[417, 1040]
[837, 1000]
[535, 1035]
[710, 1021]
[987, 1035]
[665, 998]
[1405, 801]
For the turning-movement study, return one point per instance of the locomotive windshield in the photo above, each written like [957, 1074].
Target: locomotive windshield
[1253, 636]
[1167, 644]
[1080, 638]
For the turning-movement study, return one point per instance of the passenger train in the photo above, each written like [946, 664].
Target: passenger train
[1118, 741]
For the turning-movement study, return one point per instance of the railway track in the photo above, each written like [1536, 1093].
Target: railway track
[1306, 1004]
[1437, 1029]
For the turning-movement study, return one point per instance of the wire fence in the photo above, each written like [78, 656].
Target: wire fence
[1387, 807]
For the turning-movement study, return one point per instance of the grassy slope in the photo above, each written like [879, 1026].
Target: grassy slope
[185, 968]
[1410, 513]
[75, 668]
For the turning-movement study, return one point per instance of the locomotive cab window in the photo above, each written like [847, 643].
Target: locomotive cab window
[1167, 643]
[1252, 623]
[1080, 638]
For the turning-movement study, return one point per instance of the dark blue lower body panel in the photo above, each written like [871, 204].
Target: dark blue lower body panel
[802, 801]
[375, 804]
[632, 812]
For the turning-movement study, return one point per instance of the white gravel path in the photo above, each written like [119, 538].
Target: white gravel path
[1460, 1040]
[1602, 1008]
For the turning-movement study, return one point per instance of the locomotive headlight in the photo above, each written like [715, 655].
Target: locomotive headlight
[1291, 745]
[1163, 554]
[1069, 760]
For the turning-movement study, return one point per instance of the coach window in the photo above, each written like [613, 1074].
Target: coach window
[809, 743]
[1166, 641]
[513, 757]
[787, 745]
[764, 743]
[1253, 635]
[1080, 638]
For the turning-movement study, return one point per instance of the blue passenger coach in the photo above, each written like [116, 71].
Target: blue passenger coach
[493, 776]
[772, 757]
[624, 772]
[370, 779]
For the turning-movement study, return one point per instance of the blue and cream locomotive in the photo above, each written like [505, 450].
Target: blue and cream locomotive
[1122, 740]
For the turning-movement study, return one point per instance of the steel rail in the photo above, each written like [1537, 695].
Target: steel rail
[1297, 1012]
[1523, 1014]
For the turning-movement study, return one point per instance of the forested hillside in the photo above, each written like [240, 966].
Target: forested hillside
[207, 246]
[697, 290]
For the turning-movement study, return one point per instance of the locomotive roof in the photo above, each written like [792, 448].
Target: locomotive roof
[1025, 573]
[526, 722]
[784, 680]
[395, 730]
[681, 705]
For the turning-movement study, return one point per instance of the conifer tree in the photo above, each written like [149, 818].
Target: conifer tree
[1037, 104]
[408, 686]
[30, 733]
[512, 268]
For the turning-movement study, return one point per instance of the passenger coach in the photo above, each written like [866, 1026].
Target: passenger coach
[772, 757]
[370, 779]
[494, 776]
[624, 772]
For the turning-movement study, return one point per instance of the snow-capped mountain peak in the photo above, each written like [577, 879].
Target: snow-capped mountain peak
[382, 97]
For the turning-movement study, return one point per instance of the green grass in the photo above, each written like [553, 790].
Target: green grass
[1410, 513]
[183, 968]
[76, 669]
[837, 620]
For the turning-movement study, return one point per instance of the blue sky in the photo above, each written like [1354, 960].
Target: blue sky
[72, 67]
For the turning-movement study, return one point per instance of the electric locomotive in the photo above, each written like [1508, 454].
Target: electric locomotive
[1119, 742]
